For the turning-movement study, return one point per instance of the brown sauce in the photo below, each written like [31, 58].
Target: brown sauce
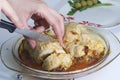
[28, 61]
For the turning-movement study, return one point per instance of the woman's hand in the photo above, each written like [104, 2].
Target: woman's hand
[42, 15]
[6, 8]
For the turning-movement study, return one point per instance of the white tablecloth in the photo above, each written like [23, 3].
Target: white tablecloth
[110, 72]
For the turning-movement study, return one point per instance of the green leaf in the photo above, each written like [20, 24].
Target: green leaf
[76, 0]
[99, 2]
[107, 4]
[103, 4]
[83, 8]
[72, 11]
[71, 3]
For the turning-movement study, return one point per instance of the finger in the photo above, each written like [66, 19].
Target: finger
[31, 42]
[60, 20]
[55, 23]
[24, 19]
[59, 35]
[25, 24]
[9, 12]
[39, 29]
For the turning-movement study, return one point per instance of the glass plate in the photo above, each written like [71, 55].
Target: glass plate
[100, 16]
[9, 57]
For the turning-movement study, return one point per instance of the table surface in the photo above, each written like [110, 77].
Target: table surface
[110, 72]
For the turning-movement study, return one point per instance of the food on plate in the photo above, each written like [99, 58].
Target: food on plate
[83, 48]
[80, 5]
[57, 62]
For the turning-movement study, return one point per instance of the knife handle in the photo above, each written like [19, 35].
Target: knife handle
[7, 25]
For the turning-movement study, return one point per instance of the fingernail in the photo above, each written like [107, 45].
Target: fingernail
[62, 44]
[32, 44]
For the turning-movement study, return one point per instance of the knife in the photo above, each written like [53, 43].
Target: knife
[25, 32]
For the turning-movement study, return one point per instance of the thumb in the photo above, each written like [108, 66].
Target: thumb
[11, 14]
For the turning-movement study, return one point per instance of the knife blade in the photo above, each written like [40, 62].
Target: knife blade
[25, 32]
